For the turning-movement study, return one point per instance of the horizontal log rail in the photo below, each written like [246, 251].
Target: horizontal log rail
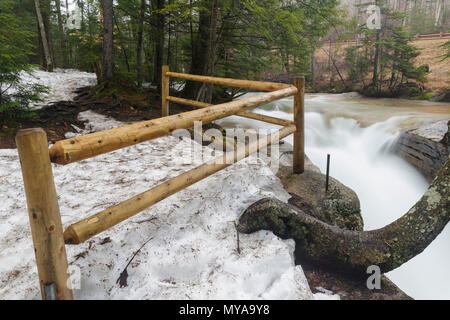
[45, 219]
[434, 35]
[418, 36]
[249, 115]
[89, 227]
[245, 84]
[90, 145]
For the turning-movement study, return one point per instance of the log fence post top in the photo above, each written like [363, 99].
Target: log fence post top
[28, 131]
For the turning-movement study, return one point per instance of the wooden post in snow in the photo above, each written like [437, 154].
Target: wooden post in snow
[43, 211]
[299, 119]
[165, 91]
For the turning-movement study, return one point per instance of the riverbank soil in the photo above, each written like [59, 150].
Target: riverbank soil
[122, 103]
[438, 77]
[56, 119]
[350, 288]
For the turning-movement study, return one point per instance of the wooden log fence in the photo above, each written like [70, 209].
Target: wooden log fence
[49, 239]
[357, 38]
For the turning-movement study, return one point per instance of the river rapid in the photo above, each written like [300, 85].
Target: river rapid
[358, 134]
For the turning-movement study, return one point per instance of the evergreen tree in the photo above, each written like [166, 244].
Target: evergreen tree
[16, 44]
[387, 53]
[446, 47]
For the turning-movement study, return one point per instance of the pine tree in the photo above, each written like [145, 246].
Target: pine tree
[16, 44]
[446, 47]
[387, 53]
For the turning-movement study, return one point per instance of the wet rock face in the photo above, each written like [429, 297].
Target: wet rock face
[442, 97]
[426, 147]
[339, 206]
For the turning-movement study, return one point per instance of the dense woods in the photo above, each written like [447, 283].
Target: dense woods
[263, 40]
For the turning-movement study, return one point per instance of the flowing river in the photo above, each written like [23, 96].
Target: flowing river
[358, 132]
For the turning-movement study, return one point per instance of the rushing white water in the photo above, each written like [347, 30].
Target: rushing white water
[361, 158]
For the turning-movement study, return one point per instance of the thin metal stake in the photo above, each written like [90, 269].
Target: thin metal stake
[328, 173]
[237, 238]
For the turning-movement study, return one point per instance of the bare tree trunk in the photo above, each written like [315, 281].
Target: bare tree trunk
[108, 40]
[313, 68]
[333, 61]
[437, 19]
[353, 251]
[122, 46]
[159, 44]
[62, 43]
[202, 49]
[139, 44]
[206, 91]
[43, 35]
[408, 9]
[68, 49]
[375, 60]
[330, 52]
[169, 38]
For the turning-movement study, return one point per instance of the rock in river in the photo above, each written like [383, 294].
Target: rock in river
[426, 147]
[339, 206]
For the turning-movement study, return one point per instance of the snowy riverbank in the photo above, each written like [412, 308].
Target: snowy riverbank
[193, 251]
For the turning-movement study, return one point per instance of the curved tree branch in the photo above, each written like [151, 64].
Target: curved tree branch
[353, 251]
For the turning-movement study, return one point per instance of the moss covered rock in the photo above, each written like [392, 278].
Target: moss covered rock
[339, 206]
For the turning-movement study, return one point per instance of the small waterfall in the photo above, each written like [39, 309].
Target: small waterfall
[387, 187]
[362, 159]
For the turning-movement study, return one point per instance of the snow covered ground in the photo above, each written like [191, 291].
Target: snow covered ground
[61, 83]
[193, 250]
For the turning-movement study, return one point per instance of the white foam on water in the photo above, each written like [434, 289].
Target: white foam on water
[387, 185]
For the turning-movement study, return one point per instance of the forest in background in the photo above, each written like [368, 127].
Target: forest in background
[130, 40]
[412, 31]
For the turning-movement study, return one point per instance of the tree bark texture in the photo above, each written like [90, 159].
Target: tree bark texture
[351, 252]
[108, 41]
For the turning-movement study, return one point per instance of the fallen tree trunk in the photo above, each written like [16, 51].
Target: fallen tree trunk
[353, 251]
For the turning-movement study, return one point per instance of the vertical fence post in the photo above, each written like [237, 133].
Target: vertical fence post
[299, 119]
[43, 211]
[165, 91]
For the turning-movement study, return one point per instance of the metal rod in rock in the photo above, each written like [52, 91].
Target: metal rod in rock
[328, 173]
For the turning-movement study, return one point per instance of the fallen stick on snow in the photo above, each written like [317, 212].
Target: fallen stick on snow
[122, 280]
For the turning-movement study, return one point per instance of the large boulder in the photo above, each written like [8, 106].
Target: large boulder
[339, 206]
[425, 147]
[441, 97]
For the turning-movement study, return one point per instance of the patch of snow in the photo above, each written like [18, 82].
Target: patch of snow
[324, 296]
[62, 83]
[95, 122]
[192, 254]
[434, 131]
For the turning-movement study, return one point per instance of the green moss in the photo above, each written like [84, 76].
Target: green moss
[7, 132]
[426, 95]
[121, 86]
